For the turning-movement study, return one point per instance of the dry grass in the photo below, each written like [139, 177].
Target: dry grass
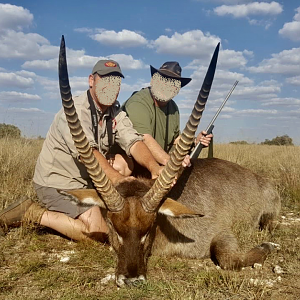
[31, 266]
[17, 162]
[279, 163]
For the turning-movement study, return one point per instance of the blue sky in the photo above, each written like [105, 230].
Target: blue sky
[260, 47]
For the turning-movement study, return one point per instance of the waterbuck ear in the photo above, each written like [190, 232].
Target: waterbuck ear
[83, 197]
[175, 209]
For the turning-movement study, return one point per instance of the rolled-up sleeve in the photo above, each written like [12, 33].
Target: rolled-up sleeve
[126, 135]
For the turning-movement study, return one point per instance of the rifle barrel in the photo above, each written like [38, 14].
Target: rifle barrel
[195, 153]
[222, 105]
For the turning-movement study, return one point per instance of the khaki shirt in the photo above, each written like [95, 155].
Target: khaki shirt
[58, 164]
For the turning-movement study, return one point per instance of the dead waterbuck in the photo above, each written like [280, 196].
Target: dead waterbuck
[193, 219]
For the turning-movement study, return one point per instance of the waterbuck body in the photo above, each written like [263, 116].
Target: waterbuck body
[227, 194]
[191, 219]
[211, 197]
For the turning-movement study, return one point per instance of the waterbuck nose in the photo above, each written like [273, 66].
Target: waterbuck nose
[135, 281]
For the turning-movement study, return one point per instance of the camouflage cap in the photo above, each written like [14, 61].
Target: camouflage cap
[105, 67]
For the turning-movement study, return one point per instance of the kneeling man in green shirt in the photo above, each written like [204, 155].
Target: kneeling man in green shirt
[154, 113]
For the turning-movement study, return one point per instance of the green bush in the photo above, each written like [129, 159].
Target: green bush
[283, 140]
[7, 130]
[239, 143]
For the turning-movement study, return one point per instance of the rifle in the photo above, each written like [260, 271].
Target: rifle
[195, 153]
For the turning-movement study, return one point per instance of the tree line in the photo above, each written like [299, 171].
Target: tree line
[12, 131]
[7, 130]
[283, 140]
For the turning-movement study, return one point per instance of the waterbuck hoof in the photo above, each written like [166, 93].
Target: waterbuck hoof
[269, 246]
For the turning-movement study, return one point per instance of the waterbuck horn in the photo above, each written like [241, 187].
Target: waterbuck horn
[164, 181]
[106, 190]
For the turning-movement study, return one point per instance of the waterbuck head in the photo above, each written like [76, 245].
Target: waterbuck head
[133, 204]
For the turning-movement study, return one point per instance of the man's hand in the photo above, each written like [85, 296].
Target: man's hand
[124, 178]
[186, 162]
[156, 171]
[204, 138]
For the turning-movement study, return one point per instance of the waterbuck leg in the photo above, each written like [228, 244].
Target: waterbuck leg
[258, 254]
[268, 222]
[224, 251]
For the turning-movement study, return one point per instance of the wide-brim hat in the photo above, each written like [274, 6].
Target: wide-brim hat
[171, 69]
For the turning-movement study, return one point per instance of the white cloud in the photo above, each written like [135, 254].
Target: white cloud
[48, 84]
[257, 92]
[41, 64]
[256, 112]
[20, 45]
[226, 1]
[25, 110]
[264, 23]
[134, 87]
[228, 59]
[127, 62]
[125, 38]
[286, 102]
[245, 10]
[18, 97]
[291, 30]
[79, 60]
[15, 80]
[293, 80]
[26, 74]
[84, 30]
[51, 86]
[191, 43]
[286, 62]
[246, 91]
[14, 17]
[78, 85]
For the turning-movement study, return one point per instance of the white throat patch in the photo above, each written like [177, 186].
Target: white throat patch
[164, 89]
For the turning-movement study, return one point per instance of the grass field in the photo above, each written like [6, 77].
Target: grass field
[37, 264]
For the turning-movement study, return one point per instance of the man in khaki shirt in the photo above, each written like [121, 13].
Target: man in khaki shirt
[114, 142]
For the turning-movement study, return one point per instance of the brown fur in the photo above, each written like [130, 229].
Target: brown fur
[224, 192]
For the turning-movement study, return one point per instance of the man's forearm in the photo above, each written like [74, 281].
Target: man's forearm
[156, 150]
[110, 172]
[143, 156]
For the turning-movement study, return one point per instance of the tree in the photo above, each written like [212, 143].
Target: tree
[7, 130]
[283, 140]
[239, 143]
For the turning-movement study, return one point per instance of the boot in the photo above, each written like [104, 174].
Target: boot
[18, 212]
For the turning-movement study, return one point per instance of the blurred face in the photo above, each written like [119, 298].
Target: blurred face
[107, 88]
[163, 88]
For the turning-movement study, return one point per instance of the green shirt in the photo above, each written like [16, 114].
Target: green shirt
[150, 119]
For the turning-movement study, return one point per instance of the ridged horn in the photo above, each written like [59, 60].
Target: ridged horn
[164, 181]
[103, 185]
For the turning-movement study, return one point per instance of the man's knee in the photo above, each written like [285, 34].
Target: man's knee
[93, 220]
